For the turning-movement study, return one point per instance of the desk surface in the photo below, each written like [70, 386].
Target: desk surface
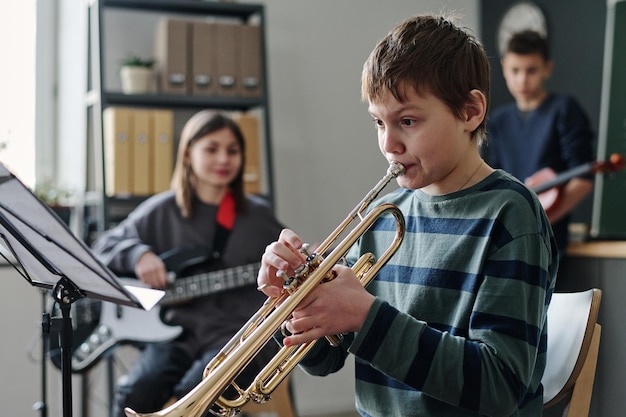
[598, 249]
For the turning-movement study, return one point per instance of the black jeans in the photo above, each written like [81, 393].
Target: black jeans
[160, 372]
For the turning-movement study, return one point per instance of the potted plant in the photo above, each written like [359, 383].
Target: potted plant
[136, 74]
[59, 199]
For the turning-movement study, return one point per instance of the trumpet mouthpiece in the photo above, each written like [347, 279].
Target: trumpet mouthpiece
[395, 169]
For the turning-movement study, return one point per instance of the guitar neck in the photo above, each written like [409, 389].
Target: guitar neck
[187, 288]
[564, 177]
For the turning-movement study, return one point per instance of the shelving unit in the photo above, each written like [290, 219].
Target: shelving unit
[98, 206]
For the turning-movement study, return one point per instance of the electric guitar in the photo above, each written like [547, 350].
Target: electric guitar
[118, 324]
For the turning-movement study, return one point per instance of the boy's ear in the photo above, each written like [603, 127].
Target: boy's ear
[475, 109]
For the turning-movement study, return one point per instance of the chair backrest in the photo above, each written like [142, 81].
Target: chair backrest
[573, 342]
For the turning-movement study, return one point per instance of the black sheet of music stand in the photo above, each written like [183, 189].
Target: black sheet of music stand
[48, 255]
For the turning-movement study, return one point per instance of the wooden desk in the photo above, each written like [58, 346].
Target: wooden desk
[598, 249]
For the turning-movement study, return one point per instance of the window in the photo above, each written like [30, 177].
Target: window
[27, 45]
[17, 107]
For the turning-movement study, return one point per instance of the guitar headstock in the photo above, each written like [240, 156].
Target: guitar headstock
[615, 163]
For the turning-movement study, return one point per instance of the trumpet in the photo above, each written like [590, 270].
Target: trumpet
[220, 373]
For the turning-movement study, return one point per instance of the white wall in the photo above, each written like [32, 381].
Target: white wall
[70, 126]
[324, 152]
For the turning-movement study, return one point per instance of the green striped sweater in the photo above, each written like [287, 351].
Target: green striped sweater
[459, 323]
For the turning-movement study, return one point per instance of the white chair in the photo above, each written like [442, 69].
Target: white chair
[573, 345]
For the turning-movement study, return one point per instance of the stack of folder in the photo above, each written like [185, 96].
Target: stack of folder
[218, 58]
[138, 150]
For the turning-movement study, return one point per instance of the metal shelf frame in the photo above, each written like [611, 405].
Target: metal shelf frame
[97, 98]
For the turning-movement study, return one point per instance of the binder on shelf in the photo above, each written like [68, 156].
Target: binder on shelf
[162, 149]
[249, 125]
[141, 152]
[226, 57]
[203, 80]
[117, 150]
[172, 55]
[250, 68]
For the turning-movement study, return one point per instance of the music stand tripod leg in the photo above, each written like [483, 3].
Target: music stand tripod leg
[65, 293]
[46, 325]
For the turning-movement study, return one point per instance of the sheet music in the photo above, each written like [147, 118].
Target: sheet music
[47, 249]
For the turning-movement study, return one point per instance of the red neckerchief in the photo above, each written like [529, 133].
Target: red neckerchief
[225, 220]
[226, 211]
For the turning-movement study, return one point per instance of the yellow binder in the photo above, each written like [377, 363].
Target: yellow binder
[249, 125]
[142, 152]
[162, 150]
[117, 151]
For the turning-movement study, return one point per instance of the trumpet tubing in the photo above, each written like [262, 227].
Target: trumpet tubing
[221, 372]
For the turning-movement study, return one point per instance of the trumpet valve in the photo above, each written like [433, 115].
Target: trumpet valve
[290, 282]
[313, 260]
[284, 276]
[306, 250]
[258, 397]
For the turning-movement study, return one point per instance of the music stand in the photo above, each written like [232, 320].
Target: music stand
[48, 255]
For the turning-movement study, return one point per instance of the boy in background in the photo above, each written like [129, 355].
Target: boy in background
[540, 130]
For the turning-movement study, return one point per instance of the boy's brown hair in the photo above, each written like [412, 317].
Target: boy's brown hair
[529, 42]
[432, 55]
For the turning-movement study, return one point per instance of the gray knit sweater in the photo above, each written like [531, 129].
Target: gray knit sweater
[157, 225]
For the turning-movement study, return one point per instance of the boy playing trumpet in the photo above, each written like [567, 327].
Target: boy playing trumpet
[455, 323]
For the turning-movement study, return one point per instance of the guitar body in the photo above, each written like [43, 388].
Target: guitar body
[116, 325]
[100, 326]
